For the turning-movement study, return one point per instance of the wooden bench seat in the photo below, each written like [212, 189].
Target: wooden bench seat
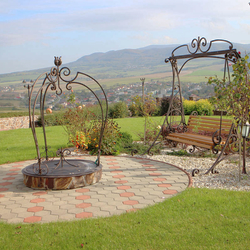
[203, 131]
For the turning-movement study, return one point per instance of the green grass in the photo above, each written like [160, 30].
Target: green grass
[194, 219]
[19, 145]
[135, 125]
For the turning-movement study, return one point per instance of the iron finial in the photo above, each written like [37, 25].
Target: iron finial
[58, 61]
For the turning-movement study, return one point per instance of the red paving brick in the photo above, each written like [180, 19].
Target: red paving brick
[14, 169]
[127, 194]
[82, 197]
[84, 215]
[169, 192]
[9, 178]
[132, 210]
[12, 174]
[151, 169]
[116, 171]
[118, 176]
[38, 200]
[32, 219]
[114, 167]
[121, 182]
[160, 179]
[17, 166]
[130, 202]
[82, 190]
[113, 163]
[5, 183]
[123, 187]
[3, 189]
[35, 209]
[83, 205]
[1, 195]
[148, 165]
[164, 185]
[40, 193]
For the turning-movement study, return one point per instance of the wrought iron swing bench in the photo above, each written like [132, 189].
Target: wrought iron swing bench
[199, 131]
[202, 132]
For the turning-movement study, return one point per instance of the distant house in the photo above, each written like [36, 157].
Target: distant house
[194, 97]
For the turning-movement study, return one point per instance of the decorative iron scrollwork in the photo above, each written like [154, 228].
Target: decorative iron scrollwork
[53, 81]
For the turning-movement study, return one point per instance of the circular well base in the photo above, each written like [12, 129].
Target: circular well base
[72, 174]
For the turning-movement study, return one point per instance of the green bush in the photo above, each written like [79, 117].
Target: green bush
[110, 137]
[118, 110]
[203, 107]
[189, 106]
[53, 119]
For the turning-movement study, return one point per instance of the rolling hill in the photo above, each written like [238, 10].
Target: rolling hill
[125, 63]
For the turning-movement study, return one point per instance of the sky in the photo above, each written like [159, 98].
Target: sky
[33, 32]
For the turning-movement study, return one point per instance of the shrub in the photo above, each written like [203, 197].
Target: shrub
[203, 107]
[152, 130]
[165, 101]
[137, 108]
[110, 137]
[189, 106]
[118, 110]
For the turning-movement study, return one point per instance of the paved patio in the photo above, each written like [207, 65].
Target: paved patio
[127, 184]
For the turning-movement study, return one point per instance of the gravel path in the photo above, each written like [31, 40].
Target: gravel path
[227, 178]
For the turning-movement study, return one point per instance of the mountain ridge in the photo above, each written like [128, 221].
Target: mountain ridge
[118, 63]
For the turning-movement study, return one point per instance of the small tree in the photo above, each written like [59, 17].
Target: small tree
[234, 96]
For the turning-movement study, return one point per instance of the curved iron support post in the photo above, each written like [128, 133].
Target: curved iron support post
[222, 153]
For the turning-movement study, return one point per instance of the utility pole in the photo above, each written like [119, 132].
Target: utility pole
[143, 100]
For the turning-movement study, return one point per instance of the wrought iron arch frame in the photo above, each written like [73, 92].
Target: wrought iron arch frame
[53, 81]
[199, 48]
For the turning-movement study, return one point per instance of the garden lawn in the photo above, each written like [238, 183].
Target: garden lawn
[135, 125]
[19, 145]
[195, 219]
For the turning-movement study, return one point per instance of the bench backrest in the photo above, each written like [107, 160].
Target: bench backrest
[208, 124]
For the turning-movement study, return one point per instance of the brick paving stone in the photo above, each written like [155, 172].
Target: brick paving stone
[5, 183]
[38, 200]
[165, 185]
[118, 176]
[40, 193]
[67, 217]
[82, 190]
[75, 210]
[18, 210]
[32, 219]
[84, 215]
[169, 192]
[125, 185]
[121, 182]
[130, 202]
[83, 205]
[8, 215]
[67, 206]
[9, 178]
[35, 209]
[82, 197]
[59, 212]
[15, 220]
[25, 214]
